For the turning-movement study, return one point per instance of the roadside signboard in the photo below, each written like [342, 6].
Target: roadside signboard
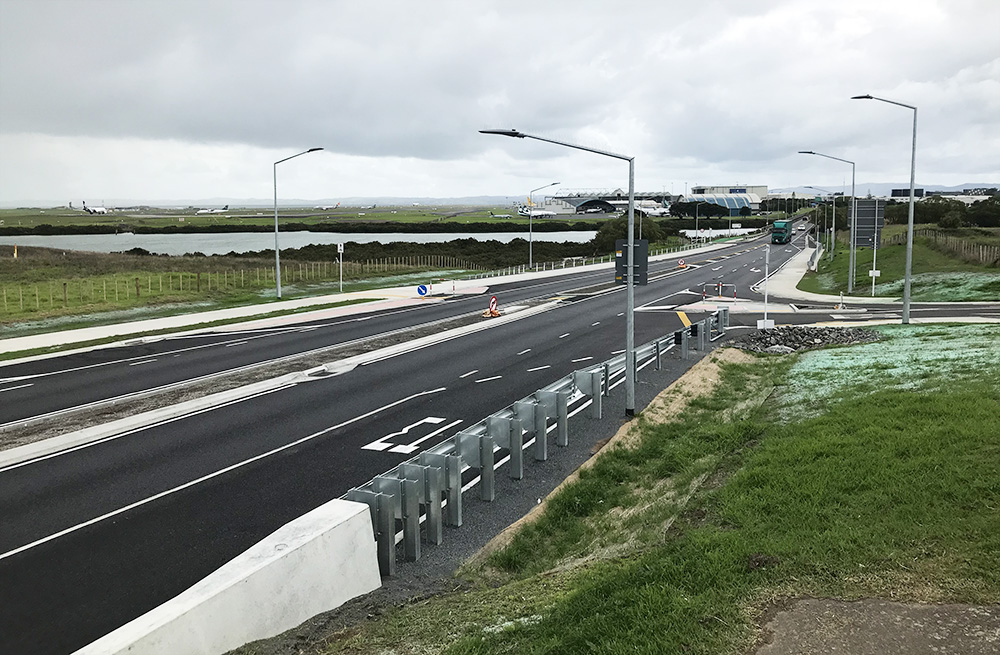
[493, 303]
[640, 267]
[422, 290]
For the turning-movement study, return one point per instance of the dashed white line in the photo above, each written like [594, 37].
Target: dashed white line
[526, 350]
[538, 368]
[237, 343]
[495, 377]
[595, 324]
[148, 361]
[472, 372]
[563, 336]
[582, 359]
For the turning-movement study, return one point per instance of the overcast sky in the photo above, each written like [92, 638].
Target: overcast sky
[156, 100]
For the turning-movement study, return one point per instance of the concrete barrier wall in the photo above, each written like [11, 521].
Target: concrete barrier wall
[313, 564]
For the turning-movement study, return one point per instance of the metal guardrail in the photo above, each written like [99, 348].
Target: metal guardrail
[428, 488]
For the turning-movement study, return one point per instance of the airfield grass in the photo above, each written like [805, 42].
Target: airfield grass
[680, 543]
[937, 276]
[46, 289]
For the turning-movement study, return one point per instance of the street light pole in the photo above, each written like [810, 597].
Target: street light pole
[629, 263]
[909, 220]
[852, 223]
[834, 212]
[277, 257]
[545, 186]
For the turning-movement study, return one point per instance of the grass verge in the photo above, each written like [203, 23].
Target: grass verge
[749, 497]
[936, 276]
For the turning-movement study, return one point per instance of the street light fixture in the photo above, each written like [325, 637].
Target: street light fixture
[629, 284]
[852, 224]
[546, 186]
[277, 258]
[909, 220]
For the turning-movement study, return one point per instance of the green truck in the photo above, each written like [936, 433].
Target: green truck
[781, 232]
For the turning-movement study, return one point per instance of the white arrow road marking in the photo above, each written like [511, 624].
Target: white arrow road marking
[414, 446]
[383, 443]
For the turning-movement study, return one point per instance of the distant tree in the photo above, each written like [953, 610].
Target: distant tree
[617, 228]
[984, 213]
[745, 211]
[951, 220]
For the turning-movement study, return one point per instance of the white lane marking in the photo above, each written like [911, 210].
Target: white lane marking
[717, 268]
[617, 352]
[363, 318]
[621, 313]
[595, 324]
[526, 350]
[472, 372]
[240, 343]
[20, 386]
[148, 361]
[406, 449]
[232, 467]
[563, 336]
[495, 377]
[383, 443]
[582, 359]
[538, 368]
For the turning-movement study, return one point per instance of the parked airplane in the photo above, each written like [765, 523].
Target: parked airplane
[523, 211]
[327, 207]
[92, 210]
[492, 215]
[655, 211]
[213, 211]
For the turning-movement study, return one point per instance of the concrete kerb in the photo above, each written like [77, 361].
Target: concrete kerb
[123, 426]
[313, 564]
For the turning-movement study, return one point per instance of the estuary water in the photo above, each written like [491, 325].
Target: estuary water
[220, 244]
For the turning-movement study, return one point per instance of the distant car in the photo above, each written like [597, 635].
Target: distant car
[802, 227]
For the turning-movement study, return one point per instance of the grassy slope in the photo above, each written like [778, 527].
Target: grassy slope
[936, 276]
[890, 489]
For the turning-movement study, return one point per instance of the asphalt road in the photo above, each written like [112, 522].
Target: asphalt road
[96, 536]
[45, 386]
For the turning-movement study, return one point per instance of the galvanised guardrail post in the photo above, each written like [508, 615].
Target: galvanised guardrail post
[451, 469]
[589, 383]
[476, 451]
[506, 433]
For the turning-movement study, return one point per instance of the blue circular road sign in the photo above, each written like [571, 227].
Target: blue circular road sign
[422, 289]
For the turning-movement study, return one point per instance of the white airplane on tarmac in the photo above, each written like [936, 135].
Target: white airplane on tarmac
[524, 211]
[492, 215]
[213, 211]
[91, 210]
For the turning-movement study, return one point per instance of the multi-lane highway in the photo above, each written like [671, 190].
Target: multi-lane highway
[97, 535]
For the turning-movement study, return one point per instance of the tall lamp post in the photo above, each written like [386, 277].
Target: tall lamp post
[696, 206]
[854, 214]
[277, 257]
[629, 284]
[909, 220]
[546, 186]
[834, 212]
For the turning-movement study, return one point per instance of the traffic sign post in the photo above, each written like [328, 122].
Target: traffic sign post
[422, 290]
[340, 252]
[640, 261]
